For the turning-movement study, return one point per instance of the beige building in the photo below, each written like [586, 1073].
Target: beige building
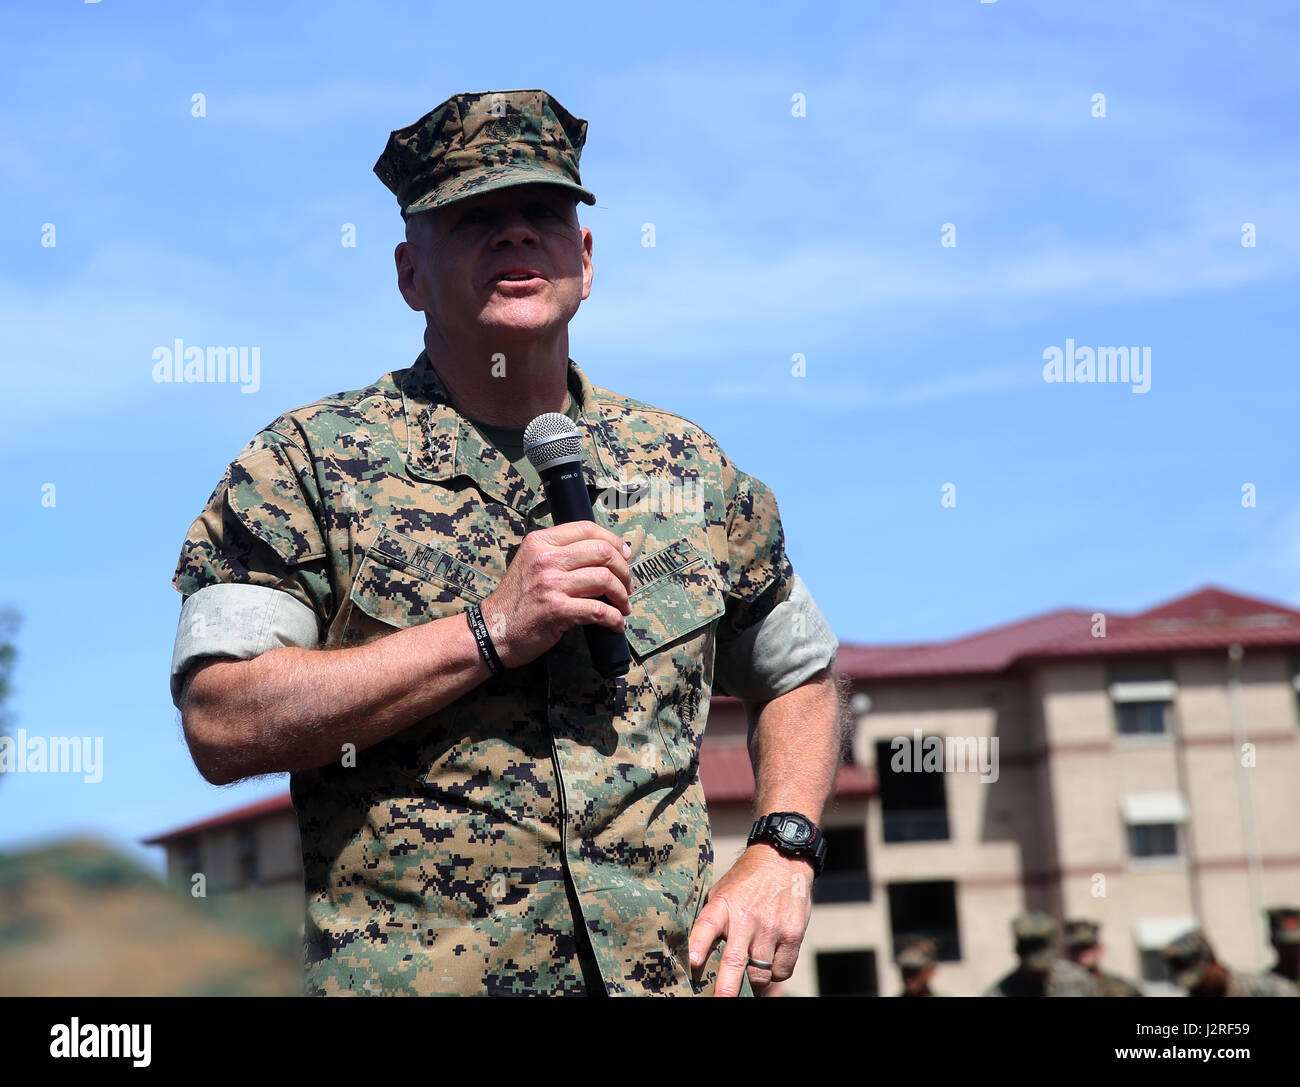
[1137, 770]
[252, 852]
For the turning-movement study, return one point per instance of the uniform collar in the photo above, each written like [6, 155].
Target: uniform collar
[442, 444]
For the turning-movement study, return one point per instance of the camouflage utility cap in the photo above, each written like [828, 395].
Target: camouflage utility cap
[917, 955]
[1034, 933]
[1189, 957]
[1080, 933]
[474, 143]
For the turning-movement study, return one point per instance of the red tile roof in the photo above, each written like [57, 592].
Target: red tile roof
[728, 777]
[1210, 618]
[247, 814]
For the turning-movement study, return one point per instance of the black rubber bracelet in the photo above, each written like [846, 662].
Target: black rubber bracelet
[474, 615]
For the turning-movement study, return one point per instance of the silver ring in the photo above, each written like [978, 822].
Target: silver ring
[760, 964]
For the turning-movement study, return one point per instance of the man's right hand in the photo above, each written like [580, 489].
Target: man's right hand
[554, 583]
[291, 709]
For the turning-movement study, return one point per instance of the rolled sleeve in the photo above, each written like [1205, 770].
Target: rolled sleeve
[261, 530]
[239, 622]
[780, 652]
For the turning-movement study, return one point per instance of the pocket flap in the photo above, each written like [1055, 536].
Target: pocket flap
[403, 583]
[265, 495]
[676, 591]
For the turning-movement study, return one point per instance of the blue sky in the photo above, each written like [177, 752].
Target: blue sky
[776, 235]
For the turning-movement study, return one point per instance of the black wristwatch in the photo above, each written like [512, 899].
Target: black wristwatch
[793, 834]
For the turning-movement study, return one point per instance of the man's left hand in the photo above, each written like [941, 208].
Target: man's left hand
[761, 907]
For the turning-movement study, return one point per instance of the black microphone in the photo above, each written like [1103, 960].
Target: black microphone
[554, 447]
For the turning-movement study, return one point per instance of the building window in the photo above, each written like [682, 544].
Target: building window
[846, 973]
[1154, 822]
[1141, 718]
[845, 877]
[187, 857]
[1147, 840]
[1142, 692]
[1152, 935]
[246, 857]
[913, 804]
[927, 910]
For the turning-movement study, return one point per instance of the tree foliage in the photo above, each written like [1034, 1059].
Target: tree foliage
[9, 622]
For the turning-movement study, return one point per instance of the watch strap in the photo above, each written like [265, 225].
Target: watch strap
[765, 829]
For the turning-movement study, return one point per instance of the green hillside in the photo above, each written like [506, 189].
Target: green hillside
[79, 919]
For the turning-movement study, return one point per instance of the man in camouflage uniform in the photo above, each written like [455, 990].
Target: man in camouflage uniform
[1284, 934]
[1194, 967]
[1083, 948]
[489, 814]
[916, 964]
[1041, 972]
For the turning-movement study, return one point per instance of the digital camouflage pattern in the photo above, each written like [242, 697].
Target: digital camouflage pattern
[1034, 933]
[1081, 933]
[475, 143]
[1063, 979]
[1190, 956]
[1281, 972]
[1258, 985]
[1114, 985]
[918, 955]
[437, 863]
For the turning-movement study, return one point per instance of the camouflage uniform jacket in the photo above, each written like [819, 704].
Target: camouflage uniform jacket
[1114, 985]
[437, 863]
[1064, 979]
[1240, 984]
[1276, 971]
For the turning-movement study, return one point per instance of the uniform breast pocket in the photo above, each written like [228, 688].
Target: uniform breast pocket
[402, 582]
[677, 593]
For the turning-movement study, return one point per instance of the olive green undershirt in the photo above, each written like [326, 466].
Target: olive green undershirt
[510, 441]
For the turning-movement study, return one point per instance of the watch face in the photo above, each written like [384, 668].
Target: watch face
[794, 832]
